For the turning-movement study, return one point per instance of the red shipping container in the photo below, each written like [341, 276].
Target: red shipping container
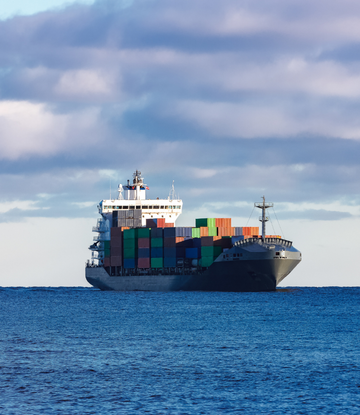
[150, 223]
[207, 241]
[116, 241]
[144, 243]
[161, 222]
[144, 263]
[179, 239]
[116, 261]
[169, 225]
[115, 251]
[115, 232]
[107, 262]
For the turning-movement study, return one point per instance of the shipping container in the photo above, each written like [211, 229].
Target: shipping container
[170, 252]
[180, 252]
[157, 252]
[157, 233]
[192, 253]
[144, 263]
[129, 252]
[107, 262]
[161, 222]
[169, 232]
[129, 262]
[184, 231]
[115, 232]
[170, 262]
[151, 223]
[170, 242]
[144, 242]
[157, 263]
[205, 222]
[206, 261]
[115, 251]
[129, 233]
[157, 242]
[143, 233]
[204, 231]
[195, 233]
[116, 261]
[143, 253]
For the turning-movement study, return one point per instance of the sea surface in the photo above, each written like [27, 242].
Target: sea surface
[83, 351]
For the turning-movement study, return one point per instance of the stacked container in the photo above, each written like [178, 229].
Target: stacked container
[157, 248]
[130, 248]
[143, 244]
[169, 247]
[116, 247]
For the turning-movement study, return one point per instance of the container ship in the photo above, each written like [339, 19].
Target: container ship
[137, 247]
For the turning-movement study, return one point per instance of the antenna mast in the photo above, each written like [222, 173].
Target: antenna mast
[263, 206]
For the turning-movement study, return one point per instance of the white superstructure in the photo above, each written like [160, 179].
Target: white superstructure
[132, 209]
[134, 205]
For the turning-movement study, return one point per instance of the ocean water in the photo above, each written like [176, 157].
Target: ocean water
[83, 351]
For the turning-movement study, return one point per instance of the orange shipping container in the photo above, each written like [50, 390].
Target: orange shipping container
[204, 231]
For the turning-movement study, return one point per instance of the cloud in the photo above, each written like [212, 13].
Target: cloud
[28, 129]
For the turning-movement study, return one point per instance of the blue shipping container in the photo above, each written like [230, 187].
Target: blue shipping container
[144, 253]
[156, 252]
[169, 262]
[129, 262]
[192, 253]
[168, 232]
[157, 233]
[169, 252]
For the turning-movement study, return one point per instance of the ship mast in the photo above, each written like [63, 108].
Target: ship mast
[263, 218]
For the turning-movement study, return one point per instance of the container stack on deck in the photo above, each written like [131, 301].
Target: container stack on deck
[161, 245]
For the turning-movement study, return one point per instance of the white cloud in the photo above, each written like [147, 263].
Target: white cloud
[85, 84]
[28, 129]
[249, 120]
[18, 204]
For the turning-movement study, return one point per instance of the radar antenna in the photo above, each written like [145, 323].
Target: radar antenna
[263, 206]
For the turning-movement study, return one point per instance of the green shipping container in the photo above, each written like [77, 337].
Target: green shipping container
[206, 222]
[156, 242]
[143, 232]
[106, 244]
[217, 251]
[195, 232]
[129, 253]
[130, 243]
[206, 261]
[107, 252]
[212, 231]
[157, 262]
[207, 251]
[130, 233]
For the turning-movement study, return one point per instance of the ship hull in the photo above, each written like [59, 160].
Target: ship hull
[241, 276]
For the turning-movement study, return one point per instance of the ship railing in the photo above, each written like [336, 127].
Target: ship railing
[277, 241]
[98, 228]
[99, 237]
[97, 255]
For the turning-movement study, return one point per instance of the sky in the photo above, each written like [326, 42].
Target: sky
[231, 100]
